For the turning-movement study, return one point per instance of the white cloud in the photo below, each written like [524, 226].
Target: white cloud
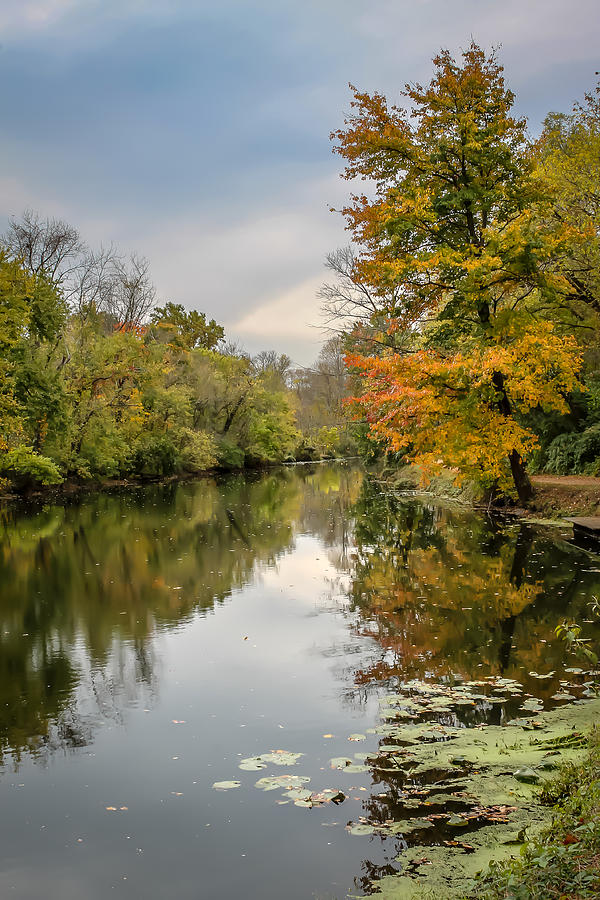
[285, 316]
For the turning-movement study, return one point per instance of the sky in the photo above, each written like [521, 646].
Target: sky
[197, 134]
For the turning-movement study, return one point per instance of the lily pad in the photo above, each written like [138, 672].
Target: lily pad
[361, 829]
[357, 737]
[457, 821]
[533, 704]
[286, 782]
[340, 762]
[226, 785]
[274, 757]
[299, 794]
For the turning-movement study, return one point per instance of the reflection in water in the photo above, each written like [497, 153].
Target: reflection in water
[83, 586]
[442, 590]
[342, 592]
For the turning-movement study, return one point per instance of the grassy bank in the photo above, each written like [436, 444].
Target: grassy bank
[564, 861]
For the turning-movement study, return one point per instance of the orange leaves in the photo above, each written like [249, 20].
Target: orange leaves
[445, 409]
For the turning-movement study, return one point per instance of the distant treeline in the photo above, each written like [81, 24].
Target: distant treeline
[98, 381]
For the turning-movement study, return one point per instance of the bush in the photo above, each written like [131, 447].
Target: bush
[26, 469]
[575, 453]
[154, 456]
[199, 451]
[229, 455]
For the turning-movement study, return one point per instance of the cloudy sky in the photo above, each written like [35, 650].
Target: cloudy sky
[196, 133]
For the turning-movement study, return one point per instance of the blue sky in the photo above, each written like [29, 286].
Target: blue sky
[197, 133]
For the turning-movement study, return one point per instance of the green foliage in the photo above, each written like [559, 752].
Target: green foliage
[187, 329]
[107, 388]
[229, 455]
[271, 431]
[573, 453]
[154, 456]
[27, 469]
[199, 451]
[327, 440]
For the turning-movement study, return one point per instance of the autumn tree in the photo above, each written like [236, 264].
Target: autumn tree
[450, 232]
[568, 156]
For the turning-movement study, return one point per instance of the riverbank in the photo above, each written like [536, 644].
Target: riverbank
[565, 495]
[555, 496]
[74, 487]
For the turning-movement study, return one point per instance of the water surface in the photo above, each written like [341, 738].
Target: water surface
[152, 638]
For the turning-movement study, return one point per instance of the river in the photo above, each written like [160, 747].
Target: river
[154, 639]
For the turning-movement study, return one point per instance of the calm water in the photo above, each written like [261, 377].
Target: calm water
[152, 638]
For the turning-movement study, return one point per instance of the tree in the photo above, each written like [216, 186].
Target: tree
[353, 308]
[187, 328]
[452, 230]
[48, 247]
[274, 368]
[568, 155]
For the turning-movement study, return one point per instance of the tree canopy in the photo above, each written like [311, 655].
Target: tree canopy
[458, 240]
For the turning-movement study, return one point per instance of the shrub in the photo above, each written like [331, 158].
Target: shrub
[199, 451]
[575, 453]
[154, 456]
[26, 469]
[229, 455]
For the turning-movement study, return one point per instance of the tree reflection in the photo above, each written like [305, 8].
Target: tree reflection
[85, 585]
[442, 590]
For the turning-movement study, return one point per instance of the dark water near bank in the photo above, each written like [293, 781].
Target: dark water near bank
[150, 639]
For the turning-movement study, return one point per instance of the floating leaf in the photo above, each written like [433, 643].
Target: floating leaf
[457, 821]
[226, 785]
[274, 757]
[286, 782]
[533, 704]
[361, 829]
[299, 794]
[340, 762]
[527, 775]
[357, 737]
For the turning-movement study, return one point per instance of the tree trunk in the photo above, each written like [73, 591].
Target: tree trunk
[520, 477]
[517, 466]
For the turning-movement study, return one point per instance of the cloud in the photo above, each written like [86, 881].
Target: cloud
[197, 133]
[291, 319]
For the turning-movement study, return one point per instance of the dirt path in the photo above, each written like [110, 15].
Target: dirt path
[567, 481]
[566, 495]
